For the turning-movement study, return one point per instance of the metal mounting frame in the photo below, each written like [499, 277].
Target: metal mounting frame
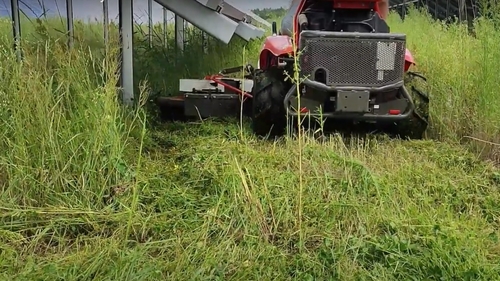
[214, 17]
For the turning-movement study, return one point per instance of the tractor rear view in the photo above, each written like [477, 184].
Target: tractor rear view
[352, 69]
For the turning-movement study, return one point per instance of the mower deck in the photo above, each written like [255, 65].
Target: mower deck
[213, 96]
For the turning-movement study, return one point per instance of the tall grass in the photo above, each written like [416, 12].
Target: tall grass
[62, 131]
[462, 77]
[90, 191]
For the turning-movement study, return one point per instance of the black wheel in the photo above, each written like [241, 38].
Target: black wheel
[268, 111]
[416, 126]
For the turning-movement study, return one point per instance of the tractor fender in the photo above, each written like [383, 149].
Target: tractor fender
[273, 47]
[409, 60]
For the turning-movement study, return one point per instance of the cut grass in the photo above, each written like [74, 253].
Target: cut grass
[80, 201]
[384, 209]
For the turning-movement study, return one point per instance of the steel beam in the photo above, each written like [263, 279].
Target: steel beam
[213, 23]
[258, 19]
[248, 32]
[16, 27]
[211, 4]
[125, 8]
[233, 11]
[69, 23]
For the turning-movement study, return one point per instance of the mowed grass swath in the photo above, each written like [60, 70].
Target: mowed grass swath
[94, 191]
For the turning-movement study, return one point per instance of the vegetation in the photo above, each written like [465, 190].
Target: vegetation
[462, 78]
[92, 191]
[271, 14]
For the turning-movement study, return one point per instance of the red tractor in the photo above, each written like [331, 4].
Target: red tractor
[351, 70]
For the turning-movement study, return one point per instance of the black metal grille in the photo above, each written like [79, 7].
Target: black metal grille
[353, 59]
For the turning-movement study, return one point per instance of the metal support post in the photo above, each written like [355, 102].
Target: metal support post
[150, 22]
[204, 42]
[179, 32]
[126, 33]
[69, 23]
[105, 11]
[16, 27]
[165, 27]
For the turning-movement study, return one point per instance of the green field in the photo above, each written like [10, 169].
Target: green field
[93, 191]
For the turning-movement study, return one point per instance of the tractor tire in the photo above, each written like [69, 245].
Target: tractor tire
[416, 126]
[268, 111]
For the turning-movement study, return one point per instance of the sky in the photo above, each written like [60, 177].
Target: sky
[92, 9]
